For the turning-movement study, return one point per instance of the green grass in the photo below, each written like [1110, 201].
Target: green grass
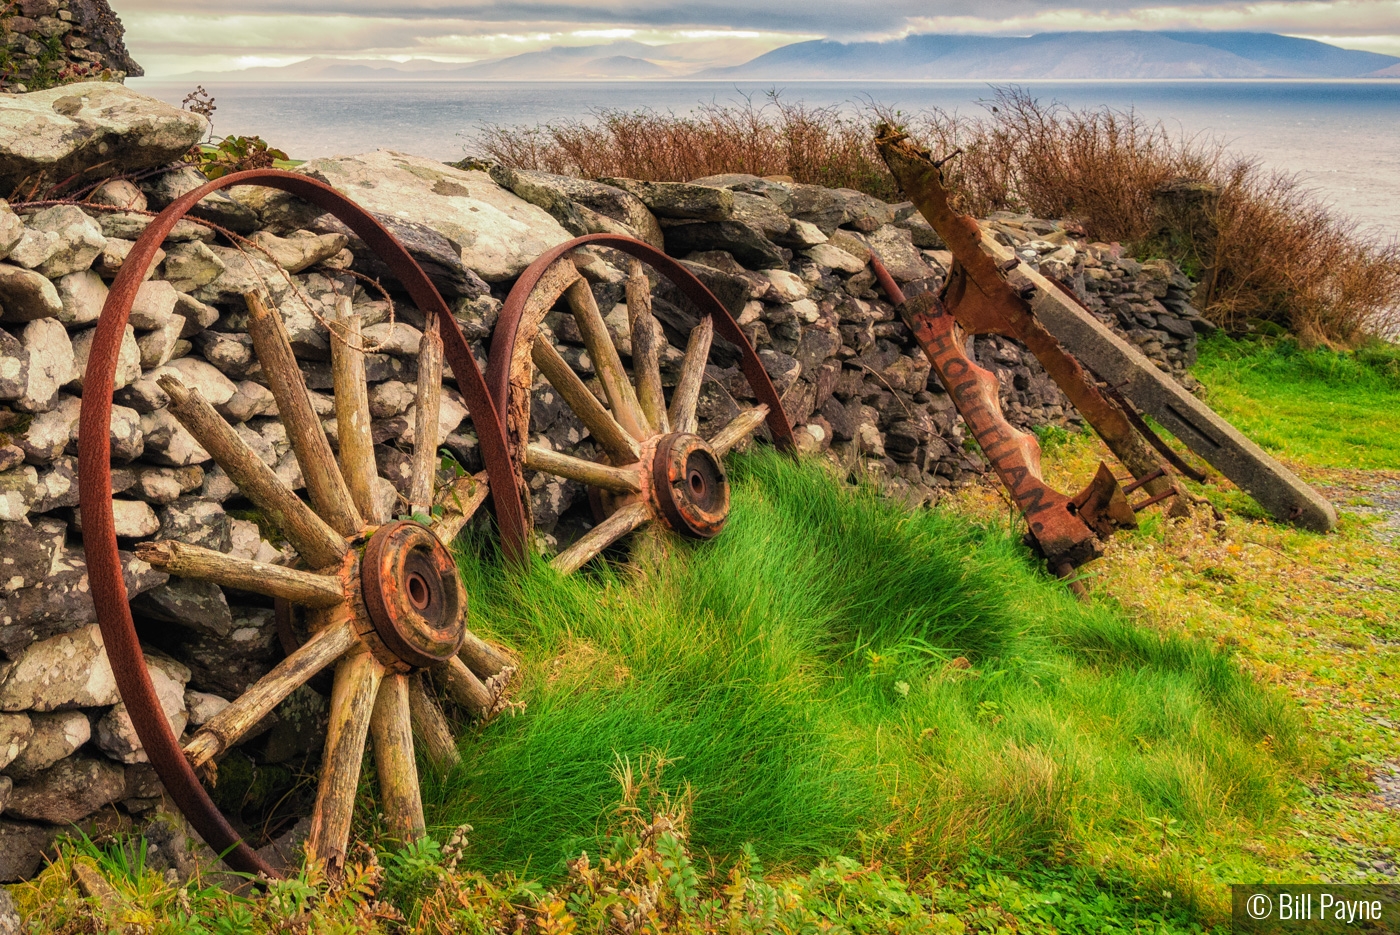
[835, 675]
[1318, 407]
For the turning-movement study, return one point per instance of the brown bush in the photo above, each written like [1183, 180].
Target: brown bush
[1281, 255]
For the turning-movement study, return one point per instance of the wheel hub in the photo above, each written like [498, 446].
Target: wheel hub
[689, 488]
[413, 595]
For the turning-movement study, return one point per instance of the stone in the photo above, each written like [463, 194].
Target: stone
[217, 207]
[249, 401]
[762, 214]
[196, 605]
[82, 296]
[788, 287]
[22, 847]
[10, 456]
[68, 791]
[227, 665]
[15, 731]
[162, 485]
[53, 737]
[198, 522]
[451, 412]
[830, 208]
[801, 234]
[116, 734]
[834, 258]
[50, 355]
[28, 551]
[398, 339]
[113, 257]
[154, 305]
[301, 248]
[59, 240]
[57, 485]
[26, 295]
[201, 706]
[680, 200]
[782, 369]
[197, 315]
[497, 233]
[134, 519]
[168, 443]
[18, 489]
[188, 266]
[390, 399]
[11, 229]
[231, 353]
[63, 602]
[69, 670]
[243, 273]
[205, 377]
[128, 358]
[159, 346]
[50, 432]
[66, 130]
[582, 206]
[14, 367]
[897, 250]
[119, 193]
[748, 245]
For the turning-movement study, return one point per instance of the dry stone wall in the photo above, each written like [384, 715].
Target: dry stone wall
[48, 42]
[791, 262]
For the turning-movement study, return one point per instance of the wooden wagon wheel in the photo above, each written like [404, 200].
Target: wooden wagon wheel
[655, 469]
[383, 597]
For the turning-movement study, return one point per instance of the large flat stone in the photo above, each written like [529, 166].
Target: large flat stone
[497, 233]
[74, 127]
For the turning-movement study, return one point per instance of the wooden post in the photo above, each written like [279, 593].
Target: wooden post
[356, 687]
[687, 392]
[427, 407]
[352, 412]
[646, 352]
[393, 756]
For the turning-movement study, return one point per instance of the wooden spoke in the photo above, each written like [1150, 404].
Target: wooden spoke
[646, 350]
[192, 561]
[459, 502]
[600, 537]
[353, 695]
[427, 406]
[738, 429]
[316, 542]
[329, 493]
[687, 392]
[429, 724]
[617, 480]
[463, 687]
[392, 733]
[620, 446]
[606, 361]
[352, 412]
[481, 657]
[225, 728]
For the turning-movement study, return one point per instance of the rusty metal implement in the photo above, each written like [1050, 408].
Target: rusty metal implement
[1068, 532]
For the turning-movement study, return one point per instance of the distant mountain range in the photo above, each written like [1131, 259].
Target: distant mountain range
[1066, 55]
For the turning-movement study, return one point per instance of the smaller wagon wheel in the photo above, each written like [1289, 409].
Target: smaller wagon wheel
[655, 468]
[383, 598]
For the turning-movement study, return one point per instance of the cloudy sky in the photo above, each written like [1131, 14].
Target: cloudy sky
[174, 36]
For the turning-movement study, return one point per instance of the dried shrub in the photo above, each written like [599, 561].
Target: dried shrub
[1282, 254]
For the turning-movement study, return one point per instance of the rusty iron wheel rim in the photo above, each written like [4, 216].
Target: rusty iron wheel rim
[94, 446]
[421, 621]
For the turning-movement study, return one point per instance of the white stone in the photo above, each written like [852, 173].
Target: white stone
[789, 287]
[834, 258]
[189, 266]
[65, 671]
[205, 377]
[82, 295]
[134, 519]
[390, 398]
[153, 306]
[55, 735]
[18, 488]
[128, 358]
[50, 432]
[300, 248]
[451, 412]
[399, 339]
[11, 229]
[64, 240]
[807, 310]
[116, 734]
[246, 538]
[120, 193]
[804, 234]
[50, 363]
[498, 233]
[168, 443]
[26, 295]
[201, 706]
[15, 731]
[158, 346]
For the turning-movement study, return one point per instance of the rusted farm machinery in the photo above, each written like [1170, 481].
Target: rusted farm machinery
[381, 597]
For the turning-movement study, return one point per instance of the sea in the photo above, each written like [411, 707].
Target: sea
[1342, 138]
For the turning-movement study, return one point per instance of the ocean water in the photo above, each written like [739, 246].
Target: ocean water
[1342, 137]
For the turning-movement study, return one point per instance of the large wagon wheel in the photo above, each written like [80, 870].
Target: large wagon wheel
[656, 469]
[383, 597]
